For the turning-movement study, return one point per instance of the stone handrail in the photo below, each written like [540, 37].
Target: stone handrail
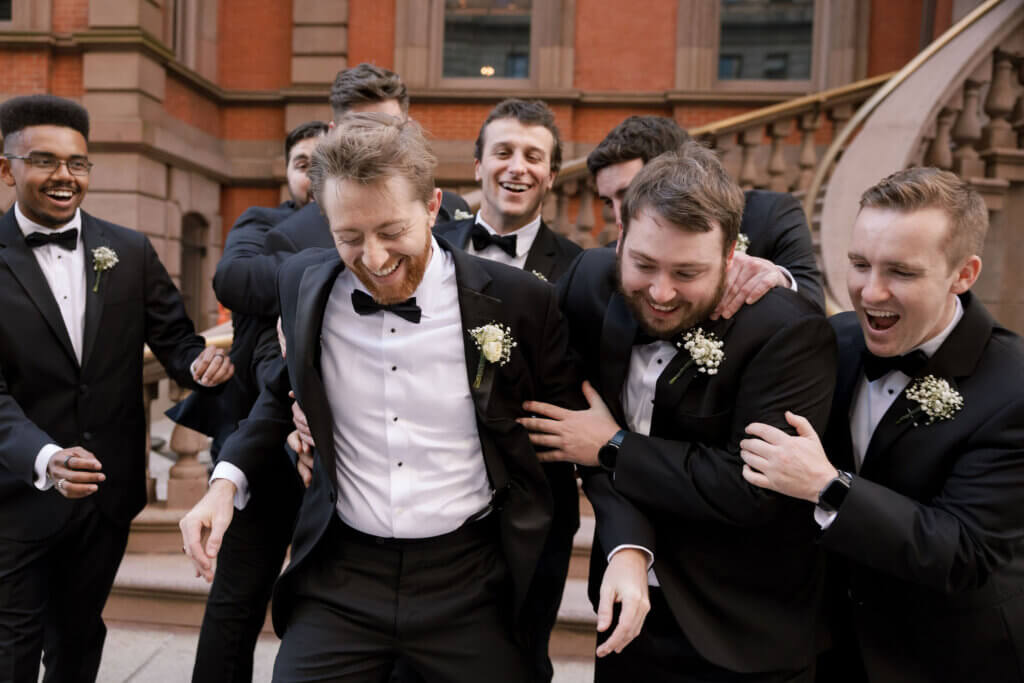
[954, 106]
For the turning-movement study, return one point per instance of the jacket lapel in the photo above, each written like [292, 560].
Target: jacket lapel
[26, 270]
[459, 237]
[543, 253]
[93, 236]
[668, 394]
[617, 334]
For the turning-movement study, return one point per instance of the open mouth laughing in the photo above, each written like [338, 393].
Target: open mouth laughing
[880, 320]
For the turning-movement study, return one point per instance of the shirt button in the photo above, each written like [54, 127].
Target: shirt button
[394, 419]
[659, 361]
[393, 368]
[399, 464]
[891, 391]
[392, 330]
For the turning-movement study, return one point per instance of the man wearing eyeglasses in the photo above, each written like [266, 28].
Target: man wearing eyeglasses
[79, 298]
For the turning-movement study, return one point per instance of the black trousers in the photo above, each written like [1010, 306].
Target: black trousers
[663, 653]
[248, 564]
[52, 593]
[359, 603]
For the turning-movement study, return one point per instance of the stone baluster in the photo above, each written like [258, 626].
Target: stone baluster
[1017, 117]
[750, 140]
[840, 115]
[967, 133]
[808, 124]
[940, 150]
[998, 132]
[150, 391]
[778, 131]
[565, 192]
[187, 480]
[549, 209]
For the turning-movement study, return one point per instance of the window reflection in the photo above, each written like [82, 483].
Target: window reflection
[487, 38]
[766, 39]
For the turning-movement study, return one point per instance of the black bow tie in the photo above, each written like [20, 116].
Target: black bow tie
[483, 238]
[642, 338]
[67, 239]
[364, 304]
[877, 366]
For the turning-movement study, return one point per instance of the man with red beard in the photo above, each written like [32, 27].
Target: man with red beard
[427, 509]
[729, 572]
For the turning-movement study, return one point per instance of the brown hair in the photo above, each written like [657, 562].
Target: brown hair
[690, 189]
[931, 188]
[366, 83]
[528, 113]
[372, 147]
[638, 137]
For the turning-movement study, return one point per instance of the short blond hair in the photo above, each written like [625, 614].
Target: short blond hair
[920, 188]
[373, 147]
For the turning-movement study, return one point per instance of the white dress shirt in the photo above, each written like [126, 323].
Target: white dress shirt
[646, 363]
[524, 240]
[409, 460]
[64, 271]
[873, 399]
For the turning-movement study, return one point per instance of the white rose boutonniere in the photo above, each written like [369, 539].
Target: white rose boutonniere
[103, 259]
[461, 215]
[742, 243]
[539, 275]
[705, 351]
[935, 398]
[495, 343]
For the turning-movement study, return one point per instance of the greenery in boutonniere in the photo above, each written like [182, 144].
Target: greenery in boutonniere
[103, 259]
[935, 398]
[742, 243]
[495, 343]
[705, 351]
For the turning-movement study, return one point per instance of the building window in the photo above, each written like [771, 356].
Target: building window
[766, 40]
[5, 10]
[487, 38]
[193, 253]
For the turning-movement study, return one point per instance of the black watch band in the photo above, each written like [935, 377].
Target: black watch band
[834, 493]
[609, 453]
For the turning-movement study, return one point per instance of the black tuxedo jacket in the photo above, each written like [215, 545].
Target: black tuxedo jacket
[550, 254]
[777, 228]
[932, 530]
[737, 564]
[488, 292]
[46, 396]
[247, 282]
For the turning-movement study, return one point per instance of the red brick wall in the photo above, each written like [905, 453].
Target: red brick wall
[254, 44]
[253, 123]
[450, 121]
[896, 32]
[185, 104]
[235, 200]
[24, 72]
[373, 39]
[66, 76]
[622, 46]
[70, 15]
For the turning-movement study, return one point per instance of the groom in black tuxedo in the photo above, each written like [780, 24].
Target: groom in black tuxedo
[421, 529]
[730, 573]
[80, 297]
[918, 479]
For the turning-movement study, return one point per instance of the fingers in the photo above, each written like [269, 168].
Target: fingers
[304, 466]
[631, 621]
[754, 460]
[605, 606]
[280, 339]
[772, 435]
[756, 478]
[539, 425]
[545, 409]
[802, 425]
[192, 542]
[295, 442]
[546, 440]
[75, 472]
[217, 370]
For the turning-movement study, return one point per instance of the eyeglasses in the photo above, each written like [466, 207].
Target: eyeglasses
[50, 163]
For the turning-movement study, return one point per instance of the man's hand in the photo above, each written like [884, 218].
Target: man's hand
[212, 367]
[75, 472]
[625, 581]
[572, 435]
[304, 465]
[301, 426]
[280, 339]
[793, 465]
[202, 529]
[746, 281]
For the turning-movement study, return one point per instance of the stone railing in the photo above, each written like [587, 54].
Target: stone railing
[959, 105]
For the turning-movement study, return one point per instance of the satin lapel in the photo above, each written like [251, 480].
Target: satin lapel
[851, 369]
[460, 236]
[26, 269]
[543, 253]
[477, 309]
[617, 335]
[93, 236]
[668, 394]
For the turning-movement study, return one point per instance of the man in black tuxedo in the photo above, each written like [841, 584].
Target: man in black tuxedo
[775, 248]
[518, 153]
[254, 547]
[918, 482]
[736, 581]
[421, 529]
[516, 157]
[81, 297]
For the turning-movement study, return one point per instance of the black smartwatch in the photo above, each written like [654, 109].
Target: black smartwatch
[834, 493]
[609, 452]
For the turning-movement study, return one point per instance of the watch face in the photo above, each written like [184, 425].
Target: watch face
[606, 456]
[834, 494]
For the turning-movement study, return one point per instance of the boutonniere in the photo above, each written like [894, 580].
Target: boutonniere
[539, 275]
[742, 243]
[495, 343]
[103, 259]
[705, 351]
[935, 398]
[461, 215]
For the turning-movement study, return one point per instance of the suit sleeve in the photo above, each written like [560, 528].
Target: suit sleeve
[695, 481]
[20, 438]
[793, 248]
[244, 267]
[170, 333]
[955, 541]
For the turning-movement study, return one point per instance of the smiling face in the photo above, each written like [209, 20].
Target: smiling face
[382, 232]
[298, 168]
[899, 278]
[613, 181]
[514, 172]
[671, 278]
[49, 199]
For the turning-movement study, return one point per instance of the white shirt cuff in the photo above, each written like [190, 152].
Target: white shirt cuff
[823, 517]
[42, 479]
[792, 280]
[225, 470]
[650, 555]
